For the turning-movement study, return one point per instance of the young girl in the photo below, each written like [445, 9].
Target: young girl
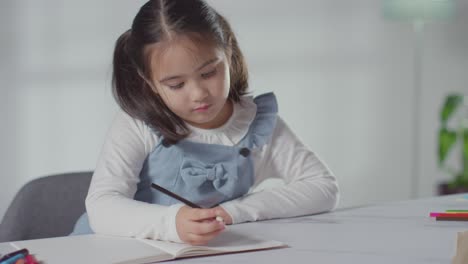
[188, 126]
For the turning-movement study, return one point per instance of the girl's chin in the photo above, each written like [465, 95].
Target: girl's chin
[200, 122]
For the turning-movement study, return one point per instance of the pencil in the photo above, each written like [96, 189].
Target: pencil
[451, 214]
[175, 196]
[5, 257]
[440, 218]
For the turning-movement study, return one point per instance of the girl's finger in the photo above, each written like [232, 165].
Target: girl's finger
[204, 227]
[201, 214]
[198, 240]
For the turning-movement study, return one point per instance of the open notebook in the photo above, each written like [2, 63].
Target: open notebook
[110, 249]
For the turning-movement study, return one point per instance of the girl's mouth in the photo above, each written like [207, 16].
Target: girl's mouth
[202, 108]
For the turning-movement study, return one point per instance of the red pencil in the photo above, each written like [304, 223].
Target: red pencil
[451, 214]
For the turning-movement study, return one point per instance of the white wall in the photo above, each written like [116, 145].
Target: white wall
[343, 75]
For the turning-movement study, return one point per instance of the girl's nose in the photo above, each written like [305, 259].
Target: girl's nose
[199, 93]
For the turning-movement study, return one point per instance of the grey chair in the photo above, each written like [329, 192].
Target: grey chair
[46, 207]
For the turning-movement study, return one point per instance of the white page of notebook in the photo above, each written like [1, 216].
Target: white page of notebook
[227, 241]
[91, 249]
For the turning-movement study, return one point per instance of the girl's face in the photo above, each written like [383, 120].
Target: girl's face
[193, 81]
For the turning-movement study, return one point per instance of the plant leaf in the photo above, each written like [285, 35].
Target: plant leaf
[447, 139]
[465, 152]
[451, 104]
[465, 143]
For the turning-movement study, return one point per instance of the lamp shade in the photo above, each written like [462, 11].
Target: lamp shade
[418, 9]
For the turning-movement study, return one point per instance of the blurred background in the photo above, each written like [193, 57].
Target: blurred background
[361, 83]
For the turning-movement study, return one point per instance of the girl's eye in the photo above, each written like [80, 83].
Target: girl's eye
[177, 86]
[209, 74]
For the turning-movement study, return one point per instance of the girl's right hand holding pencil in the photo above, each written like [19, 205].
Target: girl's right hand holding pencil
[198, 226]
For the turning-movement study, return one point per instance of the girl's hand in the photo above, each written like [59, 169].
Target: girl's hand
[197, 226]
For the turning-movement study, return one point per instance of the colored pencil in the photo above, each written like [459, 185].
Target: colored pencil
[449, 214]
[451, 218]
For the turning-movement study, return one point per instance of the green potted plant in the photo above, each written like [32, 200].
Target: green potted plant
[454, 135]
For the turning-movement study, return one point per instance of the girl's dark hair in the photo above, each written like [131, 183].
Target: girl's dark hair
[154, 22]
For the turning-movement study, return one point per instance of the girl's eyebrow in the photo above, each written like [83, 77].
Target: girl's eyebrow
[206, 63]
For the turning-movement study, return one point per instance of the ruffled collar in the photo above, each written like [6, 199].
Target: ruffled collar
[233, 130]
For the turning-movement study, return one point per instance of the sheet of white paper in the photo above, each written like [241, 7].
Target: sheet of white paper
[90, 249]
[227, 241]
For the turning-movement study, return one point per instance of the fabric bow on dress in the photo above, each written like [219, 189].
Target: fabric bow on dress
[195, 174]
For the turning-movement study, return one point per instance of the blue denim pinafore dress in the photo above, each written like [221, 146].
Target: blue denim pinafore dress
[205, 174]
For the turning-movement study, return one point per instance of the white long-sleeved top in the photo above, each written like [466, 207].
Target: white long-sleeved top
[309, 186]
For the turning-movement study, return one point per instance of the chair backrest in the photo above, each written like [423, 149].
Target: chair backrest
[46, 207]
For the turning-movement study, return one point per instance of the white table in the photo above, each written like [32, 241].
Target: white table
[400, 232]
